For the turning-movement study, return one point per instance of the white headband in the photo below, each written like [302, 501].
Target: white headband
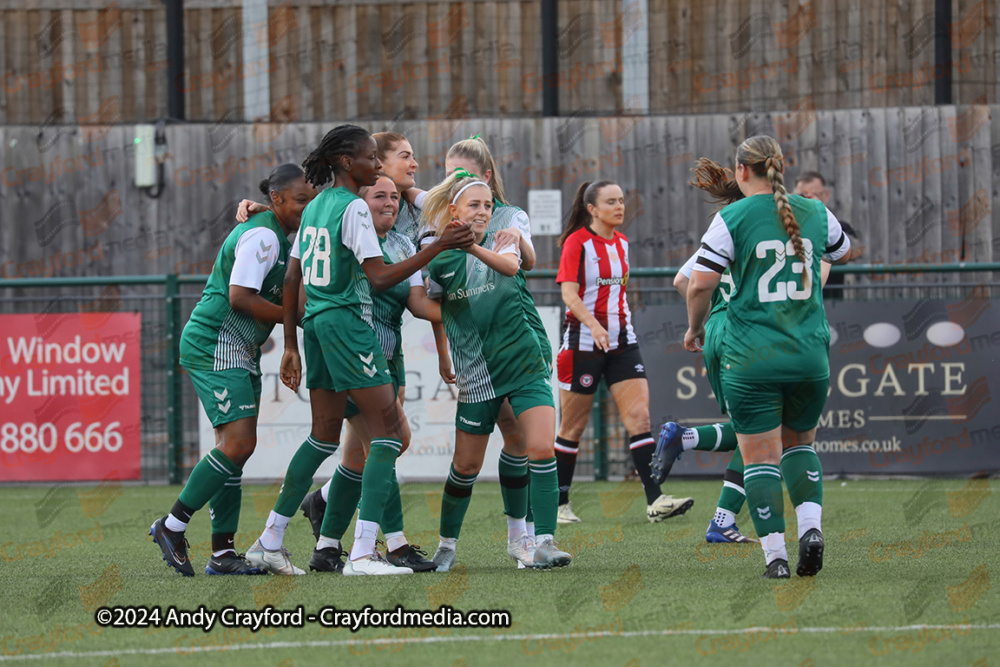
[466, 187]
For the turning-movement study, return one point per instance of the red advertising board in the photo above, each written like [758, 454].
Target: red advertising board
[69, 396]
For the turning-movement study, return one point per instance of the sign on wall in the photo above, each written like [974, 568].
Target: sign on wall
[910, 386]
[69, 396]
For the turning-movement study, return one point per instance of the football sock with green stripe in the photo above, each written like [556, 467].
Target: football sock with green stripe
[710, 438]
[803, 473]
[376, 485]
[544, 492]
[566, 453]
[345, 492]
[641, 447]
[733, 495]
[514, 484]
[392, 513]
[207, 478]
[224, 508]
[377, 478]
[767, 507]
[455, 502]
[299, 476]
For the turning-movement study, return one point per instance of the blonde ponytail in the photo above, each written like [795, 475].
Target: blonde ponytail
[475, 149]
[434, 214]
[762, 154]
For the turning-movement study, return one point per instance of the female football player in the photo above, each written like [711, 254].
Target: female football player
[342, 261]
[598, 341]
[331, 508]
[497, 356]
[220, 348]
[775, 362]
[719, 437]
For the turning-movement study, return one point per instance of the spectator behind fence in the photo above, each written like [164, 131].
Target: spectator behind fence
[811, 184]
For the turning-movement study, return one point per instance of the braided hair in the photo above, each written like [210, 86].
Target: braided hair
[323, 163]
[762, 154]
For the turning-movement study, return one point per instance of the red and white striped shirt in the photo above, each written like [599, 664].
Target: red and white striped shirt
[600, 266]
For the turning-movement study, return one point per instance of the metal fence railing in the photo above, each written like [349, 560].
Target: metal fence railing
[169, 405]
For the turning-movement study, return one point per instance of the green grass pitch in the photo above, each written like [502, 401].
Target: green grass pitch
[910, 578]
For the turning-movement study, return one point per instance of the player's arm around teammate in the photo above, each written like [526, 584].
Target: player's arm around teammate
[598, 341]
[496, 357]
[331, 508]
[775, 368]
[220, 348]
[508, 224]
[474, 157]
[341, 261]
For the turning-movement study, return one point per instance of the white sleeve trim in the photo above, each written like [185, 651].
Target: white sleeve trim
[688, 266]
[717, 249]
[294, 253]
[523, 224]
[418, 201]
[256, 254]
[838, 243]
[357, 231]
[434, 290]
[511, 249]
[426, 235]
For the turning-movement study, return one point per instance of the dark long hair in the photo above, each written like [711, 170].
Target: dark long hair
[579, 216]
[280, 178]
[343, 140]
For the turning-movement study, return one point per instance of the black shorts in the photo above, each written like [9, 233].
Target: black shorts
[580, 372]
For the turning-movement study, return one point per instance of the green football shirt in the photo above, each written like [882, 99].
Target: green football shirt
[493, 346]
[388, 306]
[408, 222]
[504, 217]
[776, 329]
[337, 235]
[254, 256]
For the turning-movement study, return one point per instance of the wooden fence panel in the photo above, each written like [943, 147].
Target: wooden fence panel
[481, 58]
[916, 182]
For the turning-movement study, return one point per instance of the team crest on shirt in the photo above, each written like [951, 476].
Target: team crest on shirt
[586, 380]
[480, 266]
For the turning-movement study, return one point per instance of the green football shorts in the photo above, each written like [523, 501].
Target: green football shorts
[712, 358]
[343, 352]
[757, 407]
[227, 395]
[481, 418]
[398, 380]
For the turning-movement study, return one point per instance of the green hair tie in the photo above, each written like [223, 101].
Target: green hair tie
[475, 136]
[462, 173]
